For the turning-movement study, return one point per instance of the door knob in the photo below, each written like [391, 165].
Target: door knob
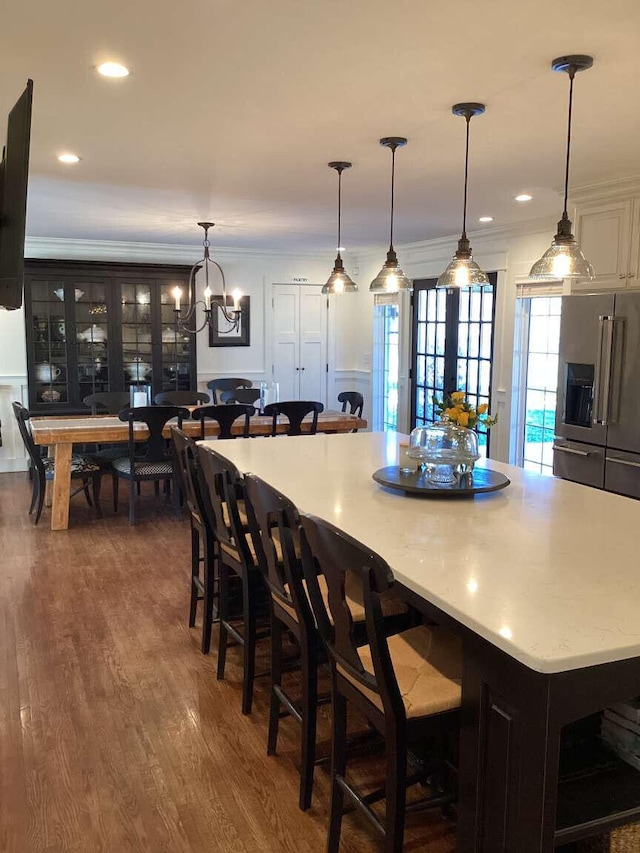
[622, 275]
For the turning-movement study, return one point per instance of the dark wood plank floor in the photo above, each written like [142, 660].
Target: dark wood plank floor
[114, 733]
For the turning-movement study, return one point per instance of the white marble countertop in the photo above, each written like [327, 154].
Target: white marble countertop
[546, 570]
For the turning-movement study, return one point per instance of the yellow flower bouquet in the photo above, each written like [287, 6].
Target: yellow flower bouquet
[456, 409]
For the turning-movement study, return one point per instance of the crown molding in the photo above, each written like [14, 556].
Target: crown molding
[159, 253]
[606, 190]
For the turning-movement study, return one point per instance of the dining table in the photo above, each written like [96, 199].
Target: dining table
[59, 434]
[540, 580]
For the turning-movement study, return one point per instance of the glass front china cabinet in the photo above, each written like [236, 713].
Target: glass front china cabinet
[103, 327]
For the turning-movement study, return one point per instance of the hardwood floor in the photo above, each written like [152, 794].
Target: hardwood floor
[114, 733]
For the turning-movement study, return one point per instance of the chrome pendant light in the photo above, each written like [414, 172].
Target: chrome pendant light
[463, 271]
[339, 281]
[564, 259]
[391, 278]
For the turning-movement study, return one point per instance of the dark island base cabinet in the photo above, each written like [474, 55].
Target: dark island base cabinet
[102, 327]
[534, 775]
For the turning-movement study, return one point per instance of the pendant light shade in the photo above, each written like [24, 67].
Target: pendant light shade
[564, 259]
[463, 271]
[339, 281]
[391, 279]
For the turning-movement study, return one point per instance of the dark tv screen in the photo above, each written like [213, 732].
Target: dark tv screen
[14, 174]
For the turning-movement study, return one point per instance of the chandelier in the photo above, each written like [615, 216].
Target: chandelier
[231, 315]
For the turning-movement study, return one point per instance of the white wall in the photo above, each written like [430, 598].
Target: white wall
[253, 272]
[13, 386]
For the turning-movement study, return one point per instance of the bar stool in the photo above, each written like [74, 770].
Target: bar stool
[274, 525]
[408, 686]
[220, 484]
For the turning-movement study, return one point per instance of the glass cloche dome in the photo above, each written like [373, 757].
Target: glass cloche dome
[446, 448]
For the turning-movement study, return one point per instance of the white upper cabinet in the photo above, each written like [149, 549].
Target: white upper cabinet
[604, 232]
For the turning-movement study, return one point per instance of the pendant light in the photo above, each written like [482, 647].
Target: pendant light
[564, 259]
[391, 278]
[463, 271]
[339, 281]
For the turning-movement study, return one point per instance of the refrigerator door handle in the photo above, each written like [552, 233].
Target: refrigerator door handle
[603, 371]
[572, 450]
[627, 462]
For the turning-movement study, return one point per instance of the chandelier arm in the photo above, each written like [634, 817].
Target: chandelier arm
[229, 316]
[183, 320]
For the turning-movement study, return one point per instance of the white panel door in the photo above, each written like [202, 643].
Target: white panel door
[286, 340]
[300, 342]
[313, 344]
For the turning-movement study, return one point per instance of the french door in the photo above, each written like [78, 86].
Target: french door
[452, 347]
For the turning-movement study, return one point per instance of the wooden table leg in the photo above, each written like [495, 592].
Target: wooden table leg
[61, 486]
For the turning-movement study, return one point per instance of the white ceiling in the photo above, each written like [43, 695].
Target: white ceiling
[233, 109]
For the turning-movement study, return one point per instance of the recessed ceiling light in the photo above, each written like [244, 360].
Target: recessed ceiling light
[112, 69]
[485, 219]
[68, 158]
[524, 197]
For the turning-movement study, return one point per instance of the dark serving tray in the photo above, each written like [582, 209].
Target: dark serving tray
[416, 483]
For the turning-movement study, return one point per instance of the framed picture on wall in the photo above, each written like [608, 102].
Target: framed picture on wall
[222, 333]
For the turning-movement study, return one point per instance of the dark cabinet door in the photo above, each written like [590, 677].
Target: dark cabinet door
[103, 327]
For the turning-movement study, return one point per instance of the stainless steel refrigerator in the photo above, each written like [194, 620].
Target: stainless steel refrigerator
[598, 411]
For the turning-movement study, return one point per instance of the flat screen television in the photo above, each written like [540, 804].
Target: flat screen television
[14, 174]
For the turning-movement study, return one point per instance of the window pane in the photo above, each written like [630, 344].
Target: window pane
[543, 317]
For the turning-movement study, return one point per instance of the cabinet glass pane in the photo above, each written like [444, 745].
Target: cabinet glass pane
[50, 341]
[175, 349]
[137, 358]
[92, 338]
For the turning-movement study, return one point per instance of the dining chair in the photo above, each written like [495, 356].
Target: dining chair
[147, 460]
[274, 524]
[216, 386]
[220, 485]
[181, 398]
[225, 416]
[43, 469]
[408, 686]
[248, 396]
[295, 411]
[107, 402]
[354, 400]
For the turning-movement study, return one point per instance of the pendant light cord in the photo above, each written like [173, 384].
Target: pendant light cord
[466, 180]
[339, 207]
[566, 174]
[393, 182]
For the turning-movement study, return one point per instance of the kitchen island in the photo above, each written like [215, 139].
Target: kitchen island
[541, 582]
